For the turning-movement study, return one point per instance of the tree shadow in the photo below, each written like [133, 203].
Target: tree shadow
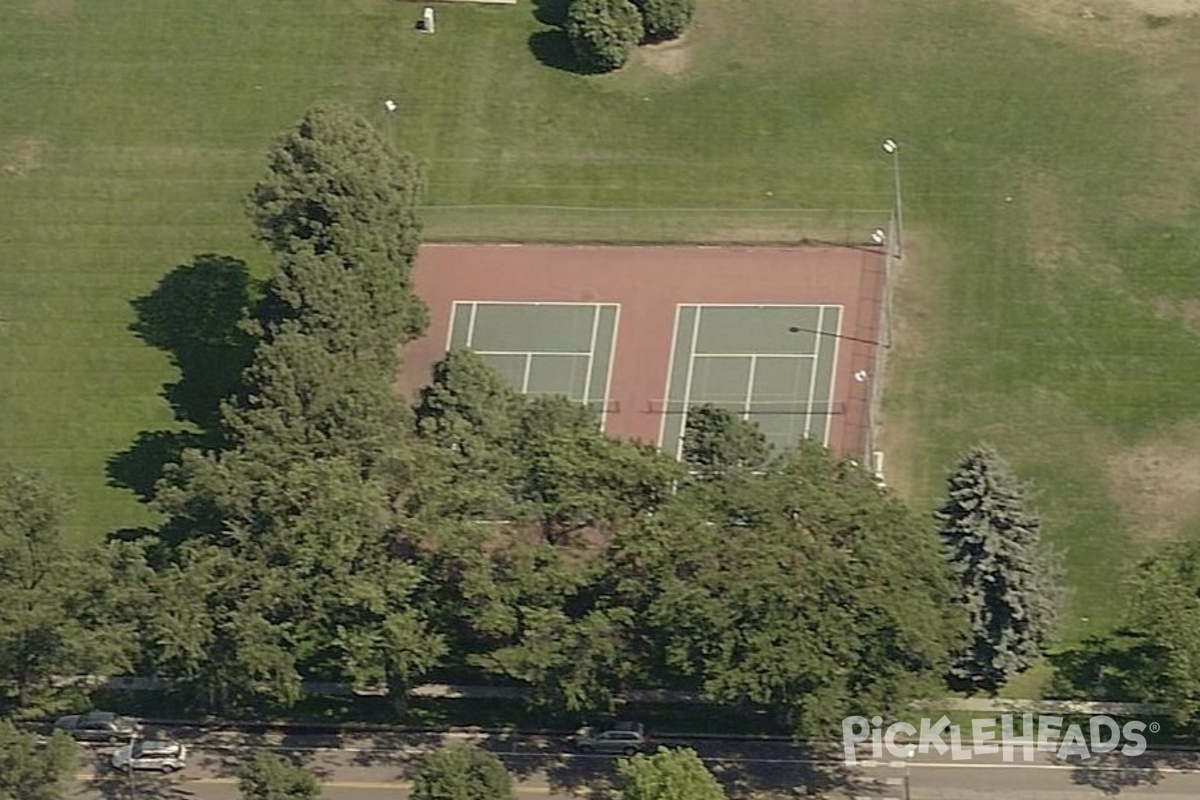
[551, 12]
[196, 315]
[1112, 773]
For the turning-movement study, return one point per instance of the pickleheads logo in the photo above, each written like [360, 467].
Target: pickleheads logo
[1100, 734]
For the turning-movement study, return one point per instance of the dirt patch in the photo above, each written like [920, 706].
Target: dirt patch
[1167, 8]
[1158, 484]
[667, 58]
[53, 10]
[1184, 311]
[1050, 214]
[22, 157]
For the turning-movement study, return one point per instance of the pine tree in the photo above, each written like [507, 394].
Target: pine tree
[1008, 580]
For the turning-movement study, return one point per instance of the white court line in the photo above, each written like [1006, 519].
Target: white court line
[571, 353]
[756, 305]
[687, 389]
[537, 303]
[591, 355]
[756, 355]
[528, 367]
[471, 325]
[662, 425]
[837, 342]
[750, 387]
[612, 357]
[812, 379]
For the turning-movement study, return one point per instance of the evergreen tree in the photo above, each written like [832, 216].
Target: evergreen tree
[1008, 581]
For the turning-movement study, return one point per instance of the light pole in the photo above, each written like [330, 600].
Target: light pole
[891, 148]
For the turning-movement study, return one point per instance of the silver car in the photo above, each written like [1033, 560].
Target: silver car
[623, 738]
[158, 755]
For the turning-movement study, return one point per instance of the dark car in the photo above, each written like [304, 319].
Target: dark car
[623, 738]
[98, 726]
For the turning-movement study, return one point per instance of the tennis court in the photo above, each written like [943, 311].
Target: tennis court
[773, 364]
[543, 348]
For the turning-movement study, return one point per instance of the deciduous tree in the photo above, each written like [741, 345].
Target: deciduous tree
[29, 771]
[273, 777]
[665, 19]
[669, 774]
[1008, 581]
[50, 623]
[603, 32]
[462, 772]
[716, 442]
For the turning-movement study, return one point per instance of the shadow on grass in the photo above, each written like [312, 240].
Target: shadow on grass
[551, 12]
[195, 315]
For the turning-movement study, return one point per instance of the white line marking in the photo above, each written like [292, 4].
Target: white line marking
[591, 356]
[471, 325]
[687, 389]
[756, 355]
[612, 357]
[837, 341]
[571, 353]
[528, 367]
[662, 425]
[897, 764]
[812, 382]
[750, 386]
[537, 303]
[453, 320]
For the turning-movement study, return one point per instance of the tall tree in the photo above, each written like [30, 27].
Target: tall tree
[676, 774]
[273, 777]
[49, 622]
[462, 772]
[29, 771]
[1008, 580]
[337, 198]
[807, 589]
[1163, 624]
[302, 578]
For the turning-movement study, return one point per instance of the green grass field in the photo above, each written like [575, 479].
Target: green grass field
[1061, 323]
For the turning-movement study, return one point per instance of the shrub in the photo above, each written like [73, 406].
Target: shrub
[665, 19]
[603, 32]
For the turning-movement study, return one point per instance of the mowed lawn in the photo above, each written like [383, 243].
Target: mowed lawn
[1049, 301]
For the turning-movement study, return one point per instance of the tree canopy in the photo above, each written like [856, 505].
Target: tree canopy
[1008, 581]
[462, 772]
[665, 19]
[30, 771]
[676, 774]
[272, 777]
[603, 32]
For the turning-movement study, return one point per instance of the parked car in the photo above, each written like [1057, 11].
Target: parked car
[623, 738]
[159, 755]
[98, 726]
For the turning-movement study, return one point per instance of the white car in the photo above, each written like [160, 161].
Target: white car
[151, 754]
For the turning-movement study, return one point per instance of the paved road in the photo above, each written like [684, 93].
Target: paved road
[378, 767]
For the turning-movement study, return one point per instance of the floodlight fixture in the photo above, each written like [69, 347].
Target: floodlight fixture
[878, 236]
[889, 146]
[389, 105]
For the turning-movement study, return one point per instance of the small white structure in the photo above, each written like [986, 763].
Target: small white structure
[427, 24]
[390, 105]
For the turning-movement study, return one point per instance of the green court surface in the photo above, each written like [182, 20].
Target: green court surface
[771, 364]
[543, 348]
